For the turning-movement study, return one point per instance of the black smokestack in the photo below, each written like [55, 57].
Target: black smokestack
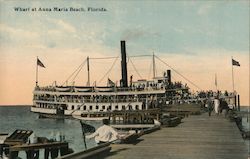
[169, 76]
[124, 80]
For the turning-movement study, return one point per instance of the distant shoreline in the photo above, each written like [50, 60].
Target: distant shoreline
[15, 105]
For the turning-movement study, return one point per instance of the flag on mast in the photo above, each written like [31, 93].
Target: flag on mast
[39, 63]
[110, 83]
[86, 128]
[215, 81]
[236, 63]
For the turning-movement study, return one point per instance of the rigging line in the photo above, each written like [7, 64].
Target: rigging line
[135, 69]
[113, 64]
[75, 71]
[178, 73]
[79, 67]
[155, 71]
[103, 58]
[141, 56]
[78, 71]
[150, 69]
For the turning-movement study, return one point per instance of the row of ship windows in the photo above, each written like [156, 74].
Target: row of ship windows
[104, 107]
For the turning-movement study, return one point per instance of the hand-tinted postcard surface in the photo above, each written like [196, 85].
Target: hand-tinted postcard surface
[124, 79]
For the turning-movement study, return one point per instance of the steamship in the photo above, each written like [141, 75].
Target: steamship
[95, 102]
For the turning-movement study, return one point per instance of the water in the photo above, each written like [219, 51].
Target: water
[246, 119]
[246, 124]
[19, 117]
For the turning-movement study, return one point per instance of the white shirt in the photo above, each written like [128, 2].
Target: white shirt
[104, 133]
[216, 105]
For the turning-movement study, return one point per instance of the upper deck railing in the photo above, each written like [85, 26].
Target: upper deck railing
[97, 89]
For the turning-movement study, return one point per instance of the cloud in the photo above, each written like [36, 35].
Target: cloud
[17, 32]
[137, 33]
[51, 44]
[204, 9]
[62, 25]
[66, 26]
[179, 30]
[54, 32]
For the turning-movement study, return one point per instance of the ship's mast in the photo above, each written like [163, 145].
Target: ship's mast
[36, 71]
[153, 65]
[88, 83]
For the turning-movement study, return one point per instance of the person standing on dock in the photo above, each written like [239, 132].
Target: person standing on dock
[224, 107]
[209, 106]
[104, 133]
[216, 105]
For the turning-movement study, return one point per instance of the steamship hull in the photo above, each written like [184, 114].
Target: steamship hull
[94, 105]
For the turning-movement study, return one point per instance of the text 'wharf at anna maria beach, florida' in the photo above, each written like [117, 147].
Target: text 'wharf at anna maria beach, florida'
[59, 9]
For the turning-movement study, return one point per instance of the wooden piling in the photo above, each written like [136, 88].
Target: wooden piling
[32, 150]
[238, 102]
[235, 102]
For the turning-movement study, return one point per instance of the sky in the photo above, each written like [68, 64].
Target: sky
[196, 38]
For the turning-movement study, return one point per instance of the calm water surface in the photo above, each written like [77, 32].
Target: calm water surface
[19, 117]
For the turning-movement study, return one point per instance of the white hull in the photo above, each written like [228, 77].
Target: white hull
[77, 109]
[89, 118]
[43, 110]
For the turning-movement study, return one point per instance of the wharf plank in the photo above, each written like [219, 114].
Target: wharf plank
[26, 147]
[198, 137]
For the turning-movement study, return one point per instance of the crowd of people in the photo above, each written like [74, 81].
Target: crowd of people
[177, 85]
[219, 106]
[210, 93]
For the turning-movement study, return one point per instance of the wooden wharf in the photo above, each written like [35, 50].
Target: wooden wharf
[32, 150]
[20, 140]
[182, 109]
[27, 147]
[198, 137]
